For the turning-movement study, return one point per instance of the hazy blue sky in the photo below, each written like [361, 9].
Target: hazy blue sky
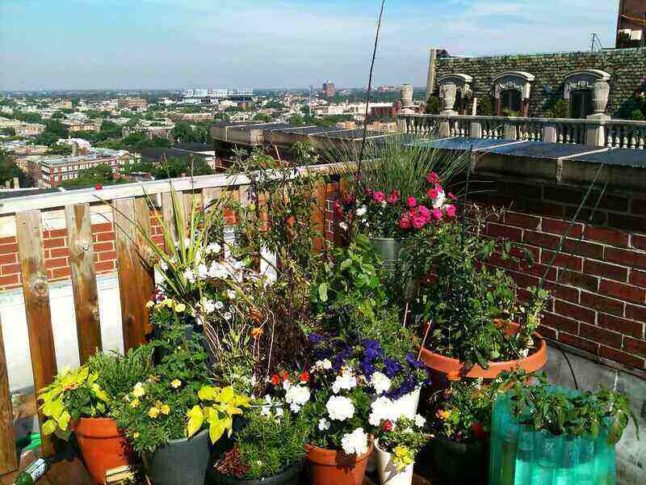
[272, 43]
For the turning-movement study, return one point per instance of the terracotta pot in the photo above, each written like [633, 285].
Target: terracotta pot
[333, 467]
[102, 445]
[388, 472]
[449, 368]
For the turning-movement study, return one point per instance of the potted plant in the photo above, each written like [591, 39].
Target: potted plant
[170, 417]
[543, 432]
[397, 444]
[478, 326]
[460, 425]
[82, 401]
[269, 448]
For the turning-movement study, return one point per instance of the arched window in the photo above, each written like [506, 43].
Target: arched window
[512, 90]
[587, 90]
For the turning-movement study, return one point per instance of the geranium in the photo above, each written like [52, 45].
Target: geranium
[296, 397]
[345, 381]
[449, 210]
[340, 408]
[380, 382]
[355, 442]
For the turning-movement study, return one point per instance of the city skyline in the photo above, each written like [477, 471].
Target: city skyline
[173, 44]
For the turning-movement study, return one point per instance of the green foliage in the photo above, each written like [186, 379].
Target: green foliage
[59, 150]
[54, 130]
[536, 403]
[269, 444]
[99, 174]
[264, 117]
[485, 106]
[139, 141]
[404, 439]
[557, 108]
[433, 105]
[184, 132]
[27, 117]
[9, 131]
[9, 170]
[181, 167]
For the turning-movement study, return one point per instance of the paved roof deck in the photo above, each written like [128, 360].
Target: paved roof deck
[541, 150]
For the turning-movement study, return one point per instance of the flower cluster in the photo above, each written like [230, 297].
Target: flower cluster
[403, 437]
[431, 209]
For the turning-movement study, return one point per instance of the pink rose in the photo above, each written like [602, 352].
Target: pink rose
[411, 201]
[437, 214]
[348, 200]
[423, 212]
[418, 222]
[404, 222]
[432, 193]
[433, 178]
[393, 198]
[378, 196]
[450, 211]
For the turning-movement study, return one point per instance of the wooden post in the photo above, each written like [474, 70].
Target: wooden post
[36, 294]
[130, 265]
[209, 194]
[145, 273]
[86, 295]
[8, 457]
[318, 215]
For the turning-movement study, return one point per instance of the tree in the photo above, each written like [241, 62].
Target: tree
[9, 170]
[59, 150]
[99, 174]
[178, 167]
[264, 117]
[9, 131]
[184, 132]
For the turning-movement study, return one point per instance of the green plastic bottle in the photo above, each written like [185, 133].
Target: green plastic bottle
[33, 472]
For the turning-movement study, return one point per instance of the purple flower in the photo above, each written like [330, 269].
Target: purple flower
[373, 349]
[391, 367]
[367, 367]
[410, 358]
[315, 338]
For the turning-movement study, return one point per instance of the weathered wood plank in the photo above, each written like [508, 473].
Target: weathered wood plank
[36, 294]
[209, 195]
[129, 264]
[8, 457]
[146, 275]
[84, 286]
[318, 215]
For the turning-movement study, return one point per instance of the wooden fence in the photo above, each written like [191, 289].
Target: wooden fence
[130, 205]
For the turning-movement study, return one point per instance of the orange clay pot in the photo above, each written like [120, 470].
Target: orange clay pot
[333, 467]
[102, 445]
[447, 368]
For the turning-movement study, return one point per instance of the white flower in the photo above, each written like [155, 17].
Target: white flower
[362, 210]
[213, 248]
[524, 353]
[419, 421]
[217, 270]
[340, 408]
[345, 381]
[324, 424]
[324, 364]
[202, 271]
[296, 397]
[383, 203]
[355, 442]
[209, 306]
[227, 315]
[380, 382]
[163, 265]
[189, 275]
[187, 242]
[219, 305]
[343, 226]
[231, 294]
[439, 200]
[382, 409]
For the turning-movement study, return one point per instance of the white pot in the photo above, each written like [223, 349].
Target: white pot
[388, 473]
[408, 403]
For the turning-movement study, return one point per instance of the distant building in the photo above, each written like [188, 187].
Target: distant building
[21, 128]
[631, 24]
[52, 171]
[152, 129]
[328, 89]
[134, 104]
[75, 126]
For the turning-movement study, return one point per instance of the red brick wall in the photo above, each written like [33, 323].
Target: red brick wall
[598, 299]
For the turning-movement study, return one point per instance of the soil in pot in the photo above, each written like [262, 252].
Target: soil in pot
[102, 446]
[333, 467]
[289, 476]
[180, 462]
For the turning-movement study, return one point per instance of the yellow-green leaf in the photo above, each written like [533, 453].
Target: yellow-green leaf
[216, 429]
[227, 394]
[195, 420]
[48, 427]
[207, 393]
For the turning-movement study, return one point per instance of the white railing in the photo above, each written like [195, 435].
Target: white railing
[604, 133]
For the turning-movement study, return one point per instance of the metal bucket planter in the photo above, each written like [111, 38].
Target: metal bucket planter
[180, 462]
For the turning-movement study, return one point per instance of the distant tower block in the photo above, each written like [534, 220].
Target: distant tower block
[407, 95]
[328, 89]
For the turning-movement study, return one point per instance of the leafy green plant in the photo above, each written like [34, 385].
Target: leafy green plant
[542, 406]
[404, 438]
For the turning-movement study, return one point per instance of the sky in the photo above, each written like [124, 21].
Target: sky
[168, 44]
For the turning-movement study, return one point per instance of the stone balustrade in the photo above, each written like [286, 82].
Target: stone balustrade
[597, 132]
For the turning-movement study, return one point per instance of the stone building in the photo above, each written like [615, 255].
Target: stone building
[607, 82]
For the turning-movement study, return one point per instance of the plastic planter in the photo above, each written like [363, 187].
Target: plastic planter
[289, 476]
[388, 473]
[180, 462]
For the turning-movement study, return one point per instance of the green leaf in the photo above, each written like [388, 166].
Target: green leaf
[195, 420]
[323, 292]
[216, 429]
[48, 427]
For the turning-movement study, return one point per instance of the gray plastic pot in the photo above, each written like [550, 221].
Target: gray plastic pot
[180, 462]
[289, 476]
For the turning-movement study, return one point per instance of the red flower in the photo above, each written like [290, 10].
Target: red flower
[450, 211]
[418, 221]
[411, 201]
[393, 198]
[304, 376]
[98, 187]
[422, 211]
[433, 178]
[379, 196]
[387, 426]
[338, 211]
[432, 193]
[348, 200]
[437, 214]
[275, 379]
[451, 196]
[405, 222]
[478, 431]
[284, 375]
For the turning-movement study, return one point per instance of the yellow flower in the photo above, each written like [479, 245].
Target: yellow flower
[167, 302]
[180, 307]
[138, 390]
[153, 412]
[150, 304]
[165, 409]
[134, 403]
[135, 435]
[175, 383]
[257, 332]
[402, 457]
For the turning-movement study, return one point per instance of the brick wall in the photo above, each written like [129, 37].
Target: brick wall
[598, 281]
[627, 68]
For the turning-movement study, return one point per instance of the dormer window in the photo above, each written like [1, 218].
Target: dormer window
[511, 91]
